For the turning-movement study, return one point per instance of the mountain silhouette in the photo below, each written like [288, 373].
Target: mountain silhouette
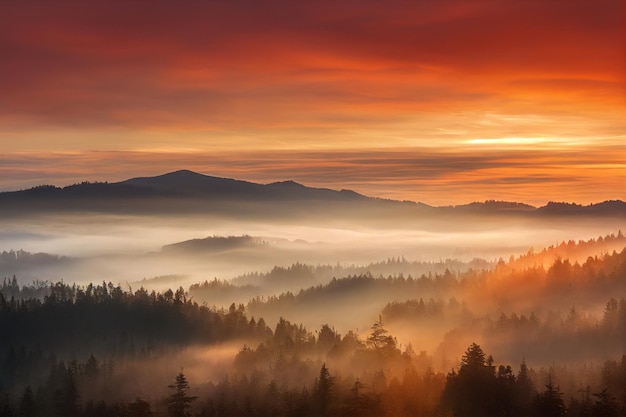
[183, 190]
[183, 183]
[606, 207]
[193, 184]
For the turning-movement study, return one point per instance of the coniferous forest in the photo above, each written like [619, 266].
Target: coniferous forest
[312, 208]
[537, 335]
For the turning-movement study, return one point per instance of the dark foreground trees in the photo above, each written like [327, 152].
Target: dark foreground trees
[359, 377]
[471, 391]
[179, 402]
[139, 408]
[477, 389]
[549, 403]
[323, 390]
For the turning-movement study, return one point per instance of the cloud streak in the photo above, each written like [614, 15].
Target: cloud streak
[253, 71]
[428, 175]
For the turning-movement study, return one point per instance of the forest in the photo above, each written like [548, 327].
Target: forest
[540, 334]
[353, 208]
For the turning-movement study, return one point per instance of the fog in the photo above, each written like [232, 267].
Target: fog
[162, 252]
[259, 304]
[128, 248]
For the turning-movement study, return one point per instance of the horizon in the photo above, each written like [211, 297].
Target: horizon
[436, 177]
[443, 103]
[286, 180]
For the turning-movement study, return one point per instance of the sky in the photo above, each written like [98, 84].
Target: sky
[444, 102]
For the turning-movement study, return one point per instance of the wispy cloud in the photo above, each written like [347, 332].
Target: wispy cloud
[307, 75]
[428, 175]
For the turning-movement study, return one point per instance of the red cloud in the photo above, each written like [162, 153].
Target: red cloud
[225, 65]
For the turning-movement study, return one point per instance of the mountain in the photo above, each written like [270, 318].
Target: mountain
[606, 207]
[184, 184]
[185, 190]
[194, 184]
[494, 206]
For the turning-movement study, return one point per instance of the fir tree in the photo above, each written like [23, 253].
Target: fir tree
[179, 402]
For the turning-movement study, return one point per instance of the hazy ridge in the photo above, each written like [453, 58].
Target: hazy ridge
[196, 192]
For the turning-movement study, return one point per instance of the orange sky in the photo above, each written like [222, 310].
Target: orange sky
[443, 102]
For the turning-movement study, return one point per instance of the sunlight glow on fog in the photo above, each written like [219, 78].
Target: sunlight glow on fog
[130, 240]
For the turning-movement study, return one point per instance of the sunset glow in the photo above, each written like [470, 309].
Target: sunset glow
[312, 208]
[532, 93]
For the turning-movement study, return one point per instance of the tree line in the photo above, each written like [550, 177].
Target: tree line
[476, 388]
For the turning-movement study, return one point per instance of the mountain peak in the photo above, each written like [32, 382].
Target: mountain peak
[194, 183]
[181, 173]
[288, 183]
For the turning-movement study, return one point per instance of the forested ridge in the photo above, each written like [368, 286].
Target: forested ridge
[572, 293]
[102, 350]
[106, 320]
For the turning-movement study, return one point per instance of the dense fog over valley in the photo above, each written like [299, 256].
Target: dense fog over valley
[127, 248]
[365, 303]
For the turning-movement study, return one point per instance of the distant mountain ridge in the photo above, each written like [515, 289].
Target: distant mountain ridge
[193, 183]
[190, 185]
[184, 183]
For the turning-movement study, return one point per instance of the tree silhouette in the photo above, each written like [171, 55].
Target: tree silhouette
[67, 395]
[605, 405]
[5, 406]
[323, 391]
[139, 408]
[550, 403]
[379, 339]
[470, 392]
[179, 402]
[27, 403]
[327, 338]
[524, 390]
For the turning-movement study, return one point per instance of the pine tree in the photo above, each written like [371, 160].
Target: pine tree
[323, 391]
[27, 403]
[179, 402]
[524, 390]
[550, 402]
[378, 338]
[471, 390]
[605, 405]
